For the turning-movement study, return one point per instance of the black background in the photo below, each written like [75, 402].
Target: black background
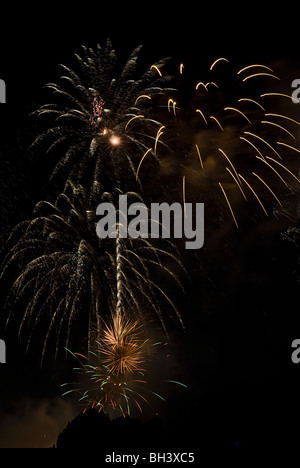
[236, 358]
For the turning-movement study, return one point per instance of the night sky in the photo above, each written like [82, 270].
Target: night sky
[241, 303]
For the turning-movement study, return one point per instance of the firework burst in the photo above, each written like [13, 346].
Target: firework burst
[115, 376]
[104, 118]
[64, 276]
[228, 142]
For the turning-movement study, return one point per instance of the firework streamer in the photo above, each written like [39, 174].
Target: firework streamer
[65, 277]
[103, 119]
[229, 142]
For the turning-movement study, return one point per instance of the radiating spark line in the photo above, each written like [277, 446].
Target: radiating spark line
[139, 166]
[252, 144]
[156, 68]
[253, 66]
[288, 146]
[146, 96]
[283, 117]
[266, 185]
[205, 85]
[255, 194]
[264, 141]
[229, 205]
[271, 167]
[133, 118]
[216, 120]
[159, 133]
[230, 162]
[276, 94]
[217, 61]
[279, 126]
[284, 167]
[177, 383]
[237, 183]
[199, 155]
[240, 112]
[201, 83]
[260, 74]
[252, 100]
[171, 101]
[200, 112]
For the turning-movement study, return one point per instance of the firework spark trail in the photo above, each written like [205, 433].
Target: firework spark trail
[115, 376]
[223, 123]
[58, 264]
[102, 118]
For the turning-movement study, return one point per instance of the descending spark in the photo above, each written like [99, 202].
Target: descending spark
[274, 170]
[260, 74]
[216, 120]
[158, 135]
[283, 117]
[276, 94]
[142, 96]
[133, 118]
[253, 101]
[229, 205]
[254, 66]
[255, 194]
[252, 144]
[155, 67]
[288, 146]
[266, 185]
[199, 155]
[284, 167]
[217, 61]
[202, 115]
[240, 112]
[237, 183]
[141, 161]
[264, 141]
[231, 164]
[278, 126]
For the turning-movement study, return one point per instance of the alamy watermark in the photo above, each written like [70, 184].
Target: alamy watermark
[161, 220]
[296, 93]
[2, 92]
[2, 352]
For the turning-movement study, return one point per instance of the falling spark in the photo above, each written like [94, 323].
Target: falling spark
[142, 96]
[255, 66]
[260, 74]
[266, 185]
[283, 117]
[237, 183]
[158, 135]
[278, 126]
[200, 159]
[201, 113]
[133, 118]
[228, 203]
[284, 167]
[252, 100]
[155, 67]
[264, 141]
[217, 61]
[255, 194]
[139, 166]
[288, 146]
[216, 120]
[240, 112]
